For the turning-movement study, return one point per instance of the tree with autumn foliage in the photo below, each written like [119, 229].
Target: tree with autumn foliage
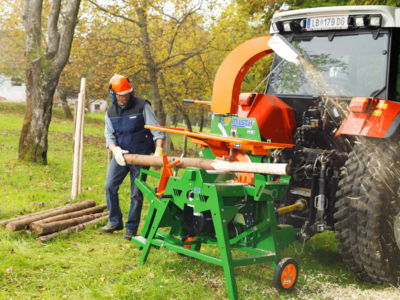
[47, 49]
[162, 37]
[12, 42]
[194, 79]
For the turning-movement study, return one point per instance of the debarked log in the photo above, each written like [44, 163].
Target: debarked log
[67, 231]
[72, 215]
[210, 164]
[60, 225]
[21, 224]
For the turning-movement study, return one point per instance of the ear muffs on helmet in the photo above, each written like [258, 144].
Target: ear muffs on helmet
[113, 94]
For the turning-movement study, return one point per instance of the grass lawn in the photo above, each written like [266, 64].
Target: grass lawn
[90, 265]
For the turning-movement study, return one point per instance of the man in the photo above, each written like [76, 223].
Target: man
[125, 133]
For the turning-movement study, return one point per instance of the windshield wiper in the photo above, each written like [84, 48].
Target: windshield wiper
[376, 93]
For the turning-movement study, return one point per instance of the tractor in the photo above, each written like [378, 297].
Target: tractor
[318, 151]
[355, 49]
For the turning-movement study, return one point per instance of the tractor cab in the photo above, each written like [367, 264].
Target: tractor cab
[354, 48]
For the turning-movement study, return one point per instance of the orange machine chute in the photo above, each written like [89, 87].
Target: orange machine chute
[227, 83]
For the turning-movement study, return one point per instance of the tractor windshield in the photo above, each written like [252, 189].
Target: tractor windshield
[351, 65]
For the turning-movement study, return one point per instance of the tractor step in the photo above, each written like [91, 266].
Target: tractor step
[301, 192]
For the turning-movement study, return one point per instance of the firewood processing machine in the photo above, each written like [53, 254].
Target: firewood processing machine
[228, 196]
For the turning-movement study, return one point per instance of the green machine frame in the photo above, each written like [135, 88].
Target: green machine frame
[243, 218]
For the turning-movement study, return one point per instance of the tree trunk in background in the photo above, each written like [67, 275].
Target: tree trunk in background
[39, 102]
[188, 123]
[151, 69]
[175, 120]
[43, 69]
[67, 109]
[201, 123]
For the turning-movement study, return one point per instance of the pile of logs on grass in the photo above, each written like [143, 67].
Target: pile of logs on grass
[59, 221]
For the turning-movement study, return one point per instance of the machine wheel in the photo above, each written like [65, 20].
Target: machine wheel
[368, 217]
[286, 274]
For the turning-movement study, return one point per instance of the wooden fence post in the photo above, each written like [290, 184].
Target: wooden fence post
[195, 150]
[78, 146]
[83, 93]
[168, 136]
[184, 150]
[73, 132]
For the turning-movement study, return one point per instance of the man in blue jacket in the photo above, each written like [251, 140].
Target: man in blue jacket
[125, 133]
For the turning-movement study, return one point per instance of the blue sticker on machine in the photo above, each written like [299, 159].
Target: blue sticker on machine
[242, 123]
[251, 131]
[238, 145]
[197, 190]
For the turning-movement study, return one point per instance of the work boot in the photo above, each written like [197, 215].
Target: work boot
[128, 235]
[111, 228]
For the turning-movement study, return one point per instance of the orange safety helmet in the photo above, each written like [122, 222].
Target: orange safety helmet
[120, 85]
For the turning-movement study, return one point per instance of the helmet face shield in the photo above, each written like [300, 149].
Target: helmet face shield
[120, 85]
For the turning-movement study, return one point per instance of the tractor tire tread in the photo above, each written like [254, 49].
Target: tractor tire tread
[366, 200]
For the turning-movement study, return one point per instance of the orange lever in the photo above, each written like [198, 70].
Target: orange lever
[165, 174]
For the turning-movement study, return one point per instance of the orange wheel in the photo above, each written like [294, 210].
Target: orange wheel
[286, 274]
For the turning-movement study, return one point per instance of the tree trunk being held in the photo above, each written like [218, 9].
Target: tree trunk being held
[43, 69]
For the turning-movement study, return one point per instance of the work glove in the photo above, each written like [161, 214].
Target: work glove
[118, 153]
[159, 151]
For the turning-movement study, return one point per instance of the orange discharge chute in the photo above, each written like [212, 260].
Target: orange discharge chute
[227, 83]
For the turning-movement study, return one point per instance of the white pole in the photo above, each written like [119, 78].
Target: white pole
[77, 133]
[81, 156]
[83, 93]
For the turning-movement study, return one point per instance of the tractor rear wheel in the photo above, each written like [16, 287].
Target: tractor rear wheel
[368, 217]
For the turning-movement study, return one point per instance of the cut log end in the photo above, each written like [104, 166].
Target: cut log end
[11, 227]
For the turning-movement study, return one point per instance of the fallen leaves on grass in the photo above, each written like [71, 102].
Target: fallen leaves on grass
[10, 270]
[170, 271]
[91, 249]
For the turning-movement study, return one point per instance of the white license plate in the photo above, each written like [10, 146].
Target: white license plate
[326, 23]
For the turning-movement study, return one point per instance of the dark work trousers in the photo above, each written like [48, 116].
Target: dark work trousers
[115, 175]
